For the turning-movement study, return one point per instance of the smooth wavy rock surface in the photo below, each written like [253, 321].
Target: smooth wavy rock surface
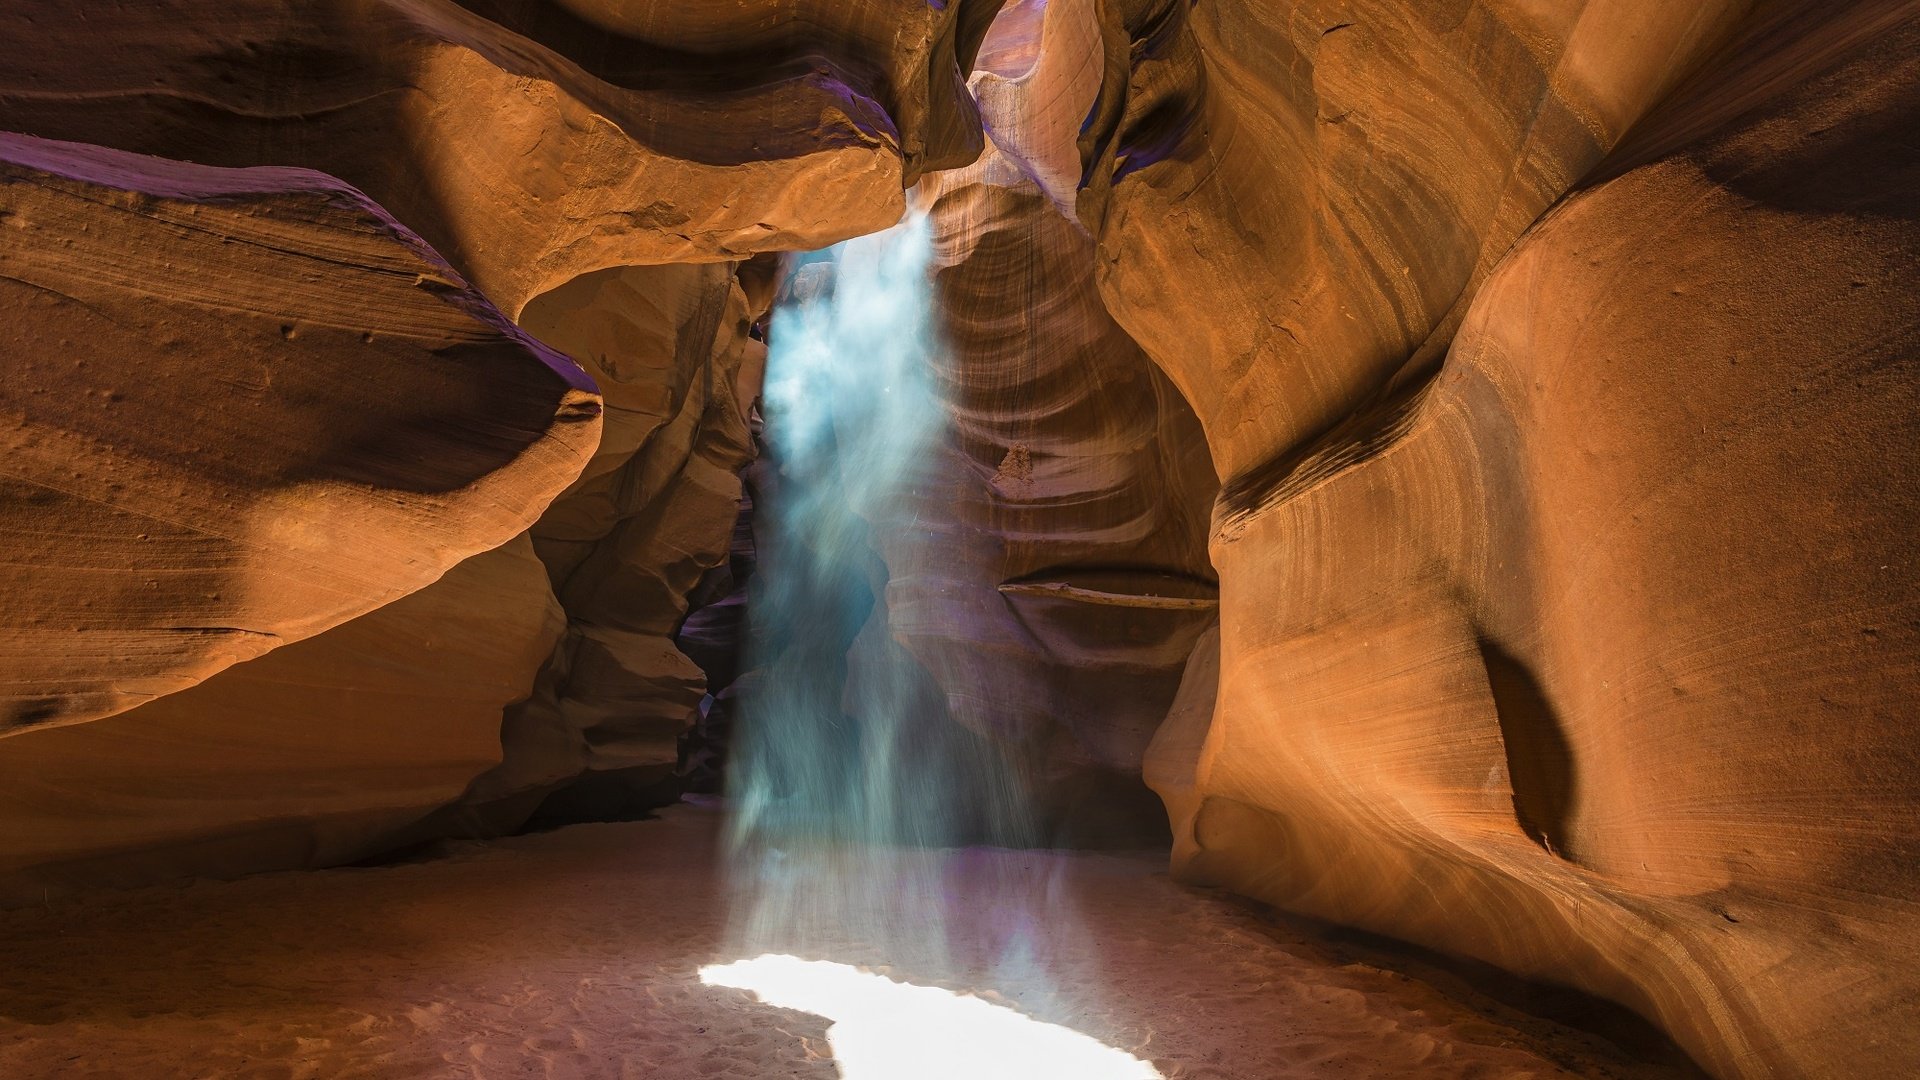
[1054, 575]
[532, 144]
[1295, 202]
[1591, 651]
[319, 753]
[561, 139]
[459, 708]
[241, 407]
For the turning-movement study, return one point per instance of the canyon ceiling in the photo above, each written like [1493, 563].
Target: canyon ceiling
[1461, 455]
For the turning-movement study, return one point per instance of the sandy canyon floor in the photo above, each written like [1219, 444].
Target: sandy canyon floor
[575, 953]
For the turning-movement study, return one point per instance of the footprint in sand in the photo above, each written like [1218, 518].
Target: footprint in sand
[886, 1030]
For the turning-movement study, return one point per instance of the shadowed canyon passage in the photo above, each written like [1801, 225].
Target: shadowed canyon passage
[623, 538]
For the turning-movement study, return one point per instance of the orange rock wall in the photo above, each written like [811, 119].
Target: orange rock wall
[1566, 566]
[273, 423]
[1052, 576]
[654, 510]
[557, 140]
[318, 753]
[1553, 363]
[241, 407]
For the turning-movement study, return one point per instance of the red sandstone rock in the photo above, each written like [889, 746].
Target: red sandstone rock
[563, 139]
[535, 142]
[1567, 614]
[241, 407]
[1049, 576]
[633, 536]
[390, 728]
[1591, 650]
[1295, 202]
[318, 753]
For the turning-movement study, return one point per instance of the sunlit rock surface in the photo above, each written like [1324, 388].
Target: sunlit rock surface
[1582, 640]
[241, 407]
[1552, 364]
[533, 144]
[1295, 202]
[530, 142]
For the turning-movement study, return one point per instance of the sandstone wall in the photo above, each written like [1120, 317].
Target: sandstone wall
[318, 753]
[1051, 577]
[530, 141]
[242, 406]
[1553, 362]
[1566, 568]
[629, 541]
[286, 409]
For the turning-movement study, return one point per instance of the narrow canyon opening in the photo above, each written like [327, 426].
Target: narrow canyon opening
[1086, 539]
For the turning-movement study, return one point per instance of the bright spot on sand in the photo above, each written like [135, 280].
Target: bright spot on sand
[886, 1030]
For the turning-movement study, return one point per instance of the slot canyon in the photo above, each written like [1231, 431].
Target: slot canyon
[1081, 539]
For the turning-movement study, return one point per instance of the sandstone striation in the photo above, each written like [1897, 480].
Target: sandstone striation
[1580, 640]
[1295, 203]
[533, 144]
[390, 729]
[241, 407]
[564, 138]
[321, 752]
[1053, 578]
[1460, 453]
[673, 348]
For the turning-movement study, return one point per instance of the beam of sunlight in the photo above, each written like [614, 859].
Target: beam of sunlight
[844, 737]
[887, 1030]
[832, 743]
[861, 808]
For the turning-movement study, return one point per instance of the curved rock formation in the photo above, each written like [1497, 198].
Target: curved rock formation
[604, 135]
[1589, 650]
[389, 729]
[627, 543]
[1039, 74]
[321, 752]
[242, 406]
[1332, 180]
[1053, 578]
[1553, 364]
[533, 143]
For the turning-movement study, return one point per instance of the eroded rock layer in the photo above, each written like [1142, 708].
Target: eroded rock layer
[566, 137]
[1582, 640]
[533, 144]
[1050, 576]
[390, 728]
[1555, 364]
[241, 407]
[321, 752]
[1295, 202]
[625, 545]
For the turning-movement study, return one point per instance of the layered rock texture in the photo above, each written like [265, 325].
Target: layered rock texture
[1479, 436]
[318, 753]
[624, 545]
[1054, 576]
[241, 406]
[254, 395]
[1567, 571]
[531, 141]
